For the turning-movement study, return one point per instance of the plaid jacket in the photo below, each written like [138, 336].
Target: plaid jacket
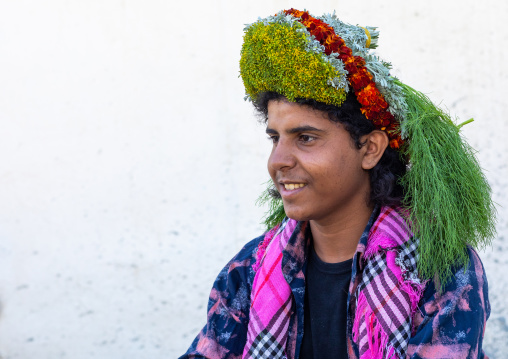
[446, 325]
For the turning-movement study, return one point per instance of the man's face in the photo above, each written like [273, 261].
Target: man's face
[314, 164]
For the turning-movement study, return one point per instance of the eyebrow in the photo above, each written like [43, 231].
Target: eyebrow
[294, 130]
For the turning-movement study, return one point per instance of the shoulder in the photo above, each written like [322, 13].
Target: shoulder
[246, 257]
[228, 308]
[453, 321]
[238, 272]
[231, 290]
[468, 287]
[248, 252]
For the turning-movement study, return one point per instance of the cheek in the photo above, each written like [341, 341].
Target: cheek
[338, 171]
[335, 163]
[270, 169]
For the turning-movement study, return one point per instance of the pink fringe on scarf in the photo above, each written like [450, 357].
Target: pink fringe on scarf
[379, 242]
[377, 338]
[360, 307]
[413, 290]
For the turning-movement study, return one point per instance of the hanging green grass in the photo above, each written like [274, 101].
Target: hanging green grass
[446, 192]
[275, 213]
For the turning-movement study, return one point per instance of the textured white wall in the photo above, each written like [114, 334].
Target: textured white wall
[129, 163]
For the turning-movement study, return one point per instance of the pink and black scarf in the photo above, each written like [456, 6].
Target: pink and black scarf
[386, 296]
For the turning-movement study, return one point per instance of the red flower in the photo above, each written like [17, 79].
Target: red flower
[360, 78]
[332, 44]
[386, 117]
[344, 50]
[359, 61]
[374, 106]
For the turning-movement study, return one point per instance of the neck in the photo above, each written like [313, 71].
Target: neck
[336, 241]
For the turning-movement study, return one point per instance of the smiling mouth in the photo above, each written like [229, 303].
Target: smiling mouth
[293, 186]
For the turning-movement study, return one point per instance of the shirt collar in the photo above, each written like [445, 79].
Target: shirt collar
[294, 255]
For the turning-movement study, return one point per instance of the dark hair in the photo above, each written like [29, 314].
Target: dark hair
[384, 177]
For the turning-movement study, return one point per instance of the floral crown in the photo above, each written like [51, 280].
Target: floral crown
[447, 197]
[300, 56]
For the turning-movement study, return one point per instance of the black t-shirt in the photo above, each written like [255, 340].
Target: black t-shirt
[325, 318]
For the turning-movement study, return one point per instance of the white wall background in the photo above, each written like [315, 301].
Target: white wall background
[130, 164]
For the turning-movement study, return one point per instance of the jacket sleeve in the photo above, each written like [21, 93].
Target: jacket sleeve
[451, 324]
[225, 332]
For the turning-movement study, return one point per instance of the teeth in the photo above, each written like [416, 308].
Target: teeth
[292, 186]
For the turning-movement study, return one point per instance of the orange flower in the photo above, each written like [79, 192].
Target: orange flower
[320, 33]
[332, 43]
[359, 78]
[396, 143]
[374, 106]
[359, 61]
[368, 94]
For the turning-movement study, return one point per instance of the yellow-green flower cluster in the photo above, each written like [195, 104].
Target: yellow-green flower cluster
[275, 57]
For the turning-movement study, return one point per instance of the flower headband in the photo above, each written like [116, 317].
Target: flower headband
[300, 56]
[445, 192]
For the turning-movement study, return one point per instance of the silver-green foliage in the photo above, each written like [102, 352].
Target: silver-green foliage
[356, 38]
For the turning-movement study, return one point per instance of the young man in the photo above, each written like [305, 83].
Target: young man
[376, 204]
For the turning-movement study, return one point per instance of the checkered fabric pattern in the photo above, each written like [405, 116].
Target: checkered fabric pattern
[407, 259]
[384, 296]
[266, 346]
[271, 302]
[268, 341]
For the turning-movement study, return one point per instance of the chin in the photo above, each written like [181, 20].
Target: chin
[298, 214]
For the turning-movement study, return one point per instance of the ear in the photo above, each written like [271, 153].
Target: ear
[376, 143]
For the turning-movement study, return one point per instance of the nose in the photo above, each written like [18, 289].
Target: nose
[282, 157]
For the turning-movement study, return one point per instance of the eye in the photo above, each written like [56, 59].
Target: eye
[273, 138]
[306, 138]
